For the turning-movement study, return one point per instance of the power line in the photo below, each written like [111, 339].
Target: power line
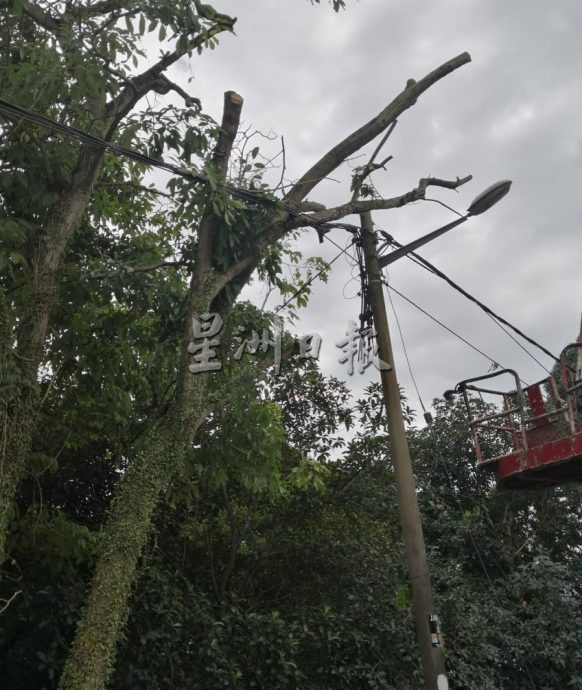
[416, 258]
[520, 345]
[420, 400]
[15, 111]
[496, 319]
[440, 323]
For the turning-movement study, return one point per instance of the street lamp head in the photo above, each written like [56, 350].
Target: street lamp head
[480, 204]
[489, 197]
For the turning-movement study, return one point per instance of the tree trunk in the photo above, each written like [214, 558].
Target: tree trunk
[159, 455]
[92, 655]
[18, 414]
[157, 458]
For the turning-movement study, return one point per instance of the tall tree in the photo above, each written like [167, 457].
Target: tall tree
[74, 63]
[90, 46]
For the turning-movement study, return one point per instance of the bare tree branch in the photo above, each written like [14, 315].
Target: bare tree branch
[370, 165]
[6, 602]
[284, 164]
[354, 142]
[438, 182]
[163, 85]
[359, 206]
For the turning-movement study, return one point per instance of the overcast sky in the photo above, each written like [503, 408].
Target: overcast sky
[514, 112]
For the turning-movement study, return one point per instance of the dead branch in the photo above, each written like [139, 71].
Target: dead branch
[284, 164]
[163, 85]
[354, 142]
[371, 166]
[6, 602]
[140, 85]
[360, 206]
[437, 182]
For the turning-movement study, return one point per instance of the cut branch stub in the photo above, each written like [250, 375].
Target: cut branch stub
[228, 129]
[233, 103]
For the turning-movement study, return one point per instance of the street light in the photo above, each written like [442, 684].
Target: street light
[426, 620]
[479, 205]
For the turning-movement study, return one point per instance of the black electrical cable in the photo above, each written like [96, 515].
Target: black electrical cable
[440, 323]
[490, 315]
[404, 348]
[15, 111]
[68, 130]
[433, 269]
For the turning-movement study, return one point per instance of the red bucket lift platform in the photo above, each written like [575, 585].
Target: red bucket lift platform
[541, 424]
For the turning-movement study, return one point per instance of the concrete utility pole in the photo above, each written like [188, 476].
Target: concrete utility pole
[431, 651]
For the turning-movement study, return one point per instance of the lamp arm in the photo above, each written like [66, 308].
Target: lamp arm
[384, 261]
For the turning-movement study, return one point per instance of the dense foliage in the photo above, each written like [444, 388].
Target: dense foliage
[298, 580]
[101, 275]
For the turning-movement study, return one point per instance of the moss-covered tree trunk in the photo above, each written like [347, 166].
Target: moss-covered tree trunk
[161, 453]
[153, 463]
[107, 104]
[158, 456]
